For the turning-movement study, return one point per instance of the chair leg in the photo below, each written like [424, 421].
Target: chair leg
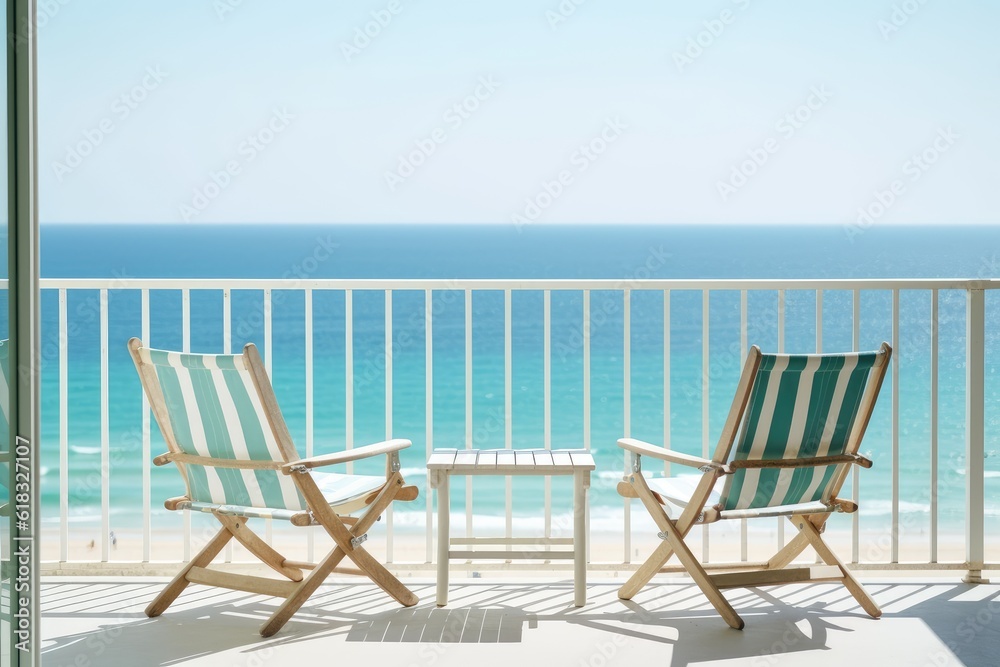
[258, 547]
[812, 534]
[180, 582]
[788, 553]
[646, 571]
[701, 577]
[342, 536]
[675, 532]
[375, 570]
[660, 555]
[305, 589]
[368, 565]
[383, 578]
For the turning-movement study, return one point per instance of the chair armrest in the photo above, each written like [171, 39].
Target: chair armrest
[364, 452]
[664, 454]
[211, 462]
[811, 462]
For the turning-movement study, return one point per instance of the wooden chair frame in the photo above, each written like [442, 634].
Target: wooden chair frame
[347, 532]
[809, 523]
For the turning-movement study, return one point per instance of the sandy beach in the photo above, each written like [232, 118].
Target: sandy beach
[410, 552]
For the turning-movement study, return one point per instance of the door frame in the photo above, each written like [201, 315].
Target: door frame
[24, 325]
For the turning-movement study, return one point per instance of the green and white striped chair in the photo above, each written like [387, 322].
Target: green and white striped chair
[800, 420]
[224, 431]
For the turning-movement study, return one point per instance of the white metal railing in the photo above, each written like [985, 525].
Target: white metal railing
[67, 331]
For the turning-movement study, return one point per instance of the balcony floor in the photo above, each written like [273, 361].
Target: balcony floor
[503, 621]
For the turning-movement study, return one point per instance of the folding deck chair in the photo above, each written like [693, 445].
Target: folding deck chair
[224, 431]
[801, 419]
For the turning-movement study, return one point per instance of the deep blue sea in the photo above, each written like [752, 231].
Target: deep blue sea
[617, 252]
[506, 251]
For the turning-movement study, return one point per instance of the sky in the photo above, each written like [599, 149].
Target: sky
[523, 111]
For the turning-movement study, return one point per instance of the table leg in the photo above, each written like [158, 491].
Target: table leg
[580, 538]
[444, 538]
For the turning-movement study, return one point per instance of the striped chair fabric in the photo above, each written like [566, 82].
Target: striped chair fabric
[801, 406]
[215, 412]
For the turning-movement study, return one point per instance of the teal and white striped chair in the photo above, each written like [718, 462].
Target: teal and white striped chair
[224, 431]
[800, 421]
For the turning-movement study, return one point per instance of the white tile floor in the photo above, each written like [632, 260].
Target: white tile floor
[523, 623]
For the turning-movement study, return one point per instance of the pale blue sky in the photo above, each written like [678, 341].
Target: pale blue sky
[677, 131]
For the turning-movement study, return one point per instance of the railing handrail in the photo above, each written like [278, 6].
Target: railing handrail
[528, 284]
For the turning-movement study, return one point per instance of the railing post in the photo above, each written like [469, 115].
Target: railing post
[975, 363]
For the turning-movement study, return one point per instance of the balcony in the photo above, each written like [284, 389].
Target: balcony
[514, 364]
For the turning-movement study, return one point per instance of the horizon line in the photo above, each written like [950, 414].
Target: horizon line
[713, 223]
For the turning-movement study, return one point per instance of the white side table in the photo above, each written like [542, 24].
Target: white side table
[577, 462]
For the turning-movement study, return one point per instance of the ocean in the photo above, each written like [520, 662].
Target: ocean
[614, 252]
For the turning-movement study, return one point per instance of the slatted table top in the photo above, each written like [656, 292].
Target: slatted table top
[511, 461]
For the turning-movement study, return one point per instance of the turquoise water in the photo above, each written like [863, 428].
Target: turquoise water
[501, 252]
